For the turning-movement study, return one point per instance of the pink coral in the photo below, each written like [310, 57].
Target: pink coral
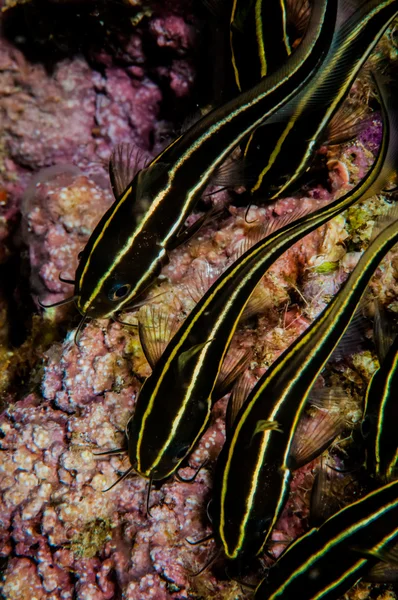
[52, 487]
[172, 31]
[62, 535]
[60, 208]
[80, 107]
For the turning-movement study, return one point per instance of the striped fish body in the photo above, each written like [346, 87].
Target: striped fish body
[174, 403]
[253, 472]
[278, 158]
[326, 562]
[259, 44]
[130, 244]
[259, 39]
[381, 411]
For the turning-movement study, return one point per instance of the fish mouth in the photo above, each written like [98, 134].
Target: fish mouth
[91, 311]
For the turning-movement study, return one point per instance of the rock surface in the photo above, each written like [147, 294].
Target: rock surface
[61, 535]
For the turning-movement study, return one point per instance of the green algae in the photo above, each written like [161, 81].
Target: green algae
[92, 539]
[327, 268]
[361, 218]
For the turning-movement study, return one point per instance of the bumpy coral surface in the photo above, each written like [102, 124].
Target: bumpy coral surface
[62, 536]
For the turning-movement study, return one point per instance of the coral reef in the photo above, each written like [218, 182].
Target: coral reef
[60, 208]
[92, 543]
[62, 536]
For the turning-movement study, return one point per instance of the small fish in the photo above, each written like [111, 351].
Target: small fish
[249, 493]
[327, 561]
[278, 155]
[131, 242]
[381, 408]
[174, 403]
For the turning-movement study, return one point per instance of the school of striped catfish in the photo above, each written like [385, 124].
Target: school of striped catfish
[293, 63]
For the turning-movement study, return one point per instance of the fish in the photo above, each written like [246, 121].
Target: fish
[253, 472]
[262, 37]
[381, 408]
[278, 155]
[174, 404]
[130, 244]
[259, 39]
[327, 561]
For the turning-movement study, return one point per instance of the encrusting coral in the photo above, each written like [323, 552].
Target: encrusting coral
[61, 536]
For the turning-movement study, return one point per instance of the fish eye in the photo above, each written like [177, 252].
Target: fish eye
[119, 291]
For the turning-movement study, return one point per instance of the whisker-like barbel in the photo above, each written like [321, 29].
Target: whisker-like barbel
[55, 304]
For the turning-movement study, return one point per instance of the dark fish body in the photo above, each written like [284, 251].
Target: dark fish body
[259, 39]
[174, 403]
[278, 155]
[259, 44]
[254, 468]
[327, 561]
[129, 245]
[381, 411]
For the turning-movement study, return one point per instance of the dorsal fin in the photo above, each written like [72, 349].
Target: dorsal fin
[231, 173]
[327, 398]
[125, 162]
[259, 301]
[346, 124]
[259, 231]
[298, 14]
[384, 221]
[385, 571]
[354, 336]
[186, 356]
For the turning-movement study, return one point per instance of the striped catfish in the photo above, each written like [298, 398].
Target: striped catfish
[259, 39]
[174, 403]
[250, 493]
[381, 413]
[278, 155]
[327, 561]
[130, 243]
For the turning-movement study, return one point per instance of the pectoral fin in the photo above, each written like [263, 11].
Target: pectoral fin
[238, 397]
[155, 328]
[233, 366]
[313, 435]
[124, 164]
